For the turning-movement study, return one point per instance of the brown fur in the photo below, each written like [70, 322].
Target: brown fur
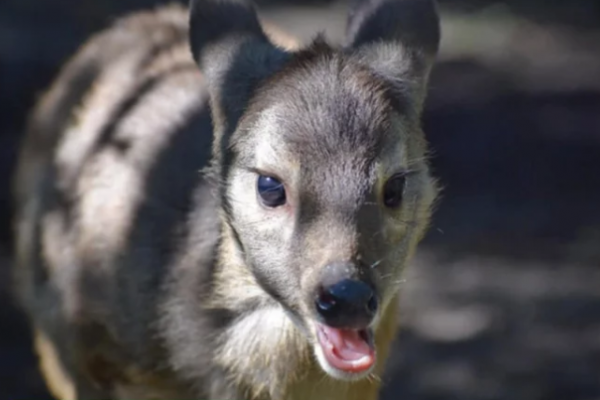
[57, 378]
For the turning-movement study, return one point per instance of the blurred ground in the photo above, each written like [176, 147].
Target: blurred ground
[503, 299]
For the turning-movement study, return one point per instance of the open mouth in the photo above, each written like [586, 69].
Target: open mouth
[347, 350]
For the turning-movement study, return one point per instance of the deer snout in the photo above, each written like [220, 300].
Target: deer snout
[344, 301]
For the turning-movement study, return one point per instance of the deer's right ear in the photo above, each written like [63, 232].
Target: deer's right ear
[234, 54]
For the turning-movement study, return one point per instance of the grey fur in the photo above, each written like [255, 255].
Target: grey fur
[143, 255]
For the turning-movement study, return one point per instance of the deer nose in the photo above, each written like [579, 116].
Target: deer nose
[347, 304]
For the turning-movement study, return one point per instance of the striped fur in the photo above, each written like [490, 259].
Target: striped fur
[143, 260]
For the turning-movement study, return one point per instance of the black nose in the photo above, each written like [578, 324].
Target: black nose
[349, 304]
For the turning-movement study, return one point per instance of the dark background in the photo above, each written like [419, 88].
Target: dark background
[503, 299]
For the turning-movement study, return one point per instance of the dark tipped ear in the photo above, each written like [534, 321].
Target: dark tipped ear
[399, 39]
[413, 23]
[234, 54]
[215, 21]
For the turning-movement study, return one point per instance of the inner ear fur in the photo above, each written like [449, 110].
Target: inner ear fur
[398, 40]
[235, 55]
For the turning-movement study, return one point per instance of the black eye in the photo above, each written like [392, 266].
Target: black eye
[271, 191]
[393, 191]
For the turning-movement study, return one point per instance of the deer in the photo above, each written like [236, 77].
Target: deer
[206, 208]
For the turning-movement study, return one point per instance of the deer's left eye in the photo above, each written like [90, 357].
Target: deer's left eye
[393, 191]
[271, 191]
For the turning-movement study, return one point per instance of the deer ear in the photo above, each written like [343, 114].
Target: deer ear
[399, 39]
[234, 54]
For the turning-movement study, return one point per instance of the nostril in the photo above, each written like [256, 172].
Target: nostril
[326, 303]
[349, 303]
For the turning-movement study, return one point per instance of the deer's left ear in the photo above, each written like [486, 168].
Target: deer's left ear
[398, 39]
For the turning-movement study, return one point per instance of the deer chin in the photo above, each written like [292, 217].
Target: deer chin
[345, 354]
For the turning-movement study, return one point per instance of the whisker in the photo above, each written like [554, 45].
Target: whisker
[386, 276]
[374, 377]
[417, 160]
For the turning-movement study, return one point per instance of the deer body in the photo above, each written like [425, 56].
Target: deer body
[151, 263]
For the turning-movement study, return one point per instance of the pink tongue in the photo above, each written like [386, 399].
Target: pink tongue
[345, 349]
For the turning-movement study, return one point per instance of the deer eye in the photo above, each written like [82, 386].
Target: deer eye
[393, 191]
[271, 191]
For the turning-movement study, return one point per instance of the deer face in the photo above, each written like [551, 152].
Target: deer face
[323, 167]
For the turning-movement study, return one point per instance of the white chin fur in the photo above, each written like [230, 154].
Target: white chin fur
[337, 373]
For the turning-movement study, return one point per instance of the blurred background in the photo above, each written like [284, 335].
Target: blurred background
[503, 298]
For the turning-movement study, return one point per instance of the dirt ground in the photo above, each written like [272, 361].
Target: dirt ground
[503, 299]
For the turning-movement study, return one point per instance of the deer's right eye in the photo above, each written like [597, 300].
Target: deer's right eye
[271, 191]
